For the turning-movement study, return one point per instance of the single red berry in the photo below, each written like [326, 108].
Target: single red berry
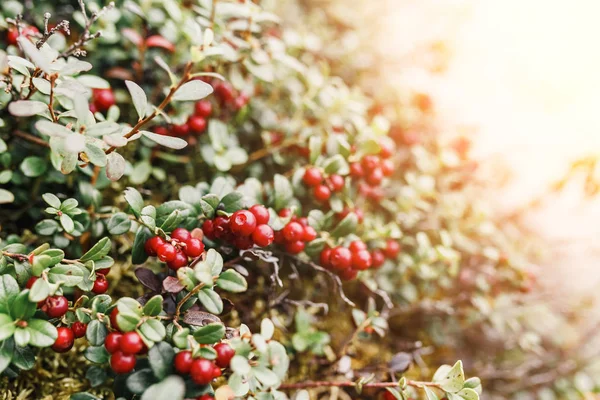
[202, 371]
[12, 35]
[122, 363]
[221, 228]
[180, 260]
[166, 252]
[181, 235]
[161, 130]
[279, 239]
[263, 235]
[242, 223]
[303, 221]
[325, 257]
[31, 281]
[285, 212]
[180, 130]
[369, 162]
[193, 247]
[387, 167]
[241, 101]
[203, 108]
[206, 397]
[357, 245]
[100, 284]
[103, 271]
[312, 176]
[387, 395]
[392, 249]
[131, 343]
[322, 193]
[340, 258]
[196, 124]
[361, 260]
[295, 247]
[183, 362]
[224, 91]
[387, 148]
[378, 258]
[152, 245]
[224, 354]
[55, 306]
[375, 177]
[293, 231]
[310, 234]
[348, 274]
[112, 342]
[216, 372]
[64, 340]
[356, 170]
[79, 329]
[103, 99]
[336, 182]
[113, 318]
[364, 189]
[260, 213]
[243, 242]
[208, 228]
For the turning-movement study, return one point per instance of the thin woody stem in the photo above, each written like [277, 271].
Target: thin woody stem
[316, 384]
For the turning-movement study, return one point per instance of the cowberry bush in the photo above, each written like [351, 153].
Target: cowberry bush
[195, 206]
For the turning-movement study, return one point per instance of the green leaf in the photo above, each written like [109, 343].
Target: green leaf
[119, 224]
[97, 354]
[21, 307]
[167, 141]
[153, 330]
[180, 338]
[193, 91]
[232, 202]
[7, 326]
[209, 334]
[130, 314]
[6, 196]
[47, 227]
[22, 337]
[161, 359]
[67, 223]
[138, 97]
[51, 199]
[214, 260]
[6, 353]
[211, 301]
[115, 166]
[153, 307]
[26, 108]
[101, 303]
[337, 165]
[140, 380]
[468, 394]
[96, 333]
[39, 291]
[283, 191]
[23, 358]
[453, 380]
[9, 288]
[33, 166]
[232, 281]
[83, 396]
[172, 388]
[96, 376]
[430, 394]
[265, 376]
[43, 333]
[99, 250]
[95, 154]
[68, 275]
[209, 204]
[346, 226]
[138, 253]
[135, 200]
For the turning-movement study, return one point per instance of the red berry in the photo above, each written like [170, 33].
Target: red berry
[113, 318]
[295, 247]
[224, 354]
[202, 371]
[166, 252]
[208, 228]
[216, 372]
[378, 258]
[203, 108]
[348, 274]
[221, 228]
[242, 222]
[181, 235]
[180, 130]
[224, 91]
[322, 193]
[180, 260]
[263, 235]
[103, 99]
[55, 306]
[356, 170]
[122, 363]
[369, 162]
[100, 284]
[161, 130]
[303, 221]
[206, 397]
[340, 258]
[387, 395]
[312, 177]
[152, 245]
[64, 340]
[357, 245]
[375, 177]
[196, 124]
[325, 257]
[387, 167]
[183, 362]
[260, 213]
[336, 182]
[113, 341]
[31, 281]
[309, 234]
[285, 212]
[193, 247]
[79, 329]
[387, 148]
[160, 41]
[359, 214]
[361, 260]
[293, 231]
[392, 249]
[279, 239]
[103, 271]
[243, 242]
[131, 343]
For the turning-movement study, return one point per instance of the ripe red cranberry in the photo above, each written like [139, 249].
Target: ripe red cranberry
[193, 247]
[64, 340]
[100, 284]
[13, 33]
[340, 258]
[392, 249]
[103, 99]
[206, 396]
[181, 235]
[180, 130]
[375, 177]
[285, 212]
[196, 124]
[322, 193]
[295, 247]
[293, 231]
[79, 329]
[180, 260]
[183, 362]
[263, 235]
[303, 221]
[387, 148]
[279, 239]
[113, 342]
[357, 245]
[202, 371]
[221, 228]
[325, 257]
[378, 258]
[131, 343]
[152, 245]
[224, 354]
[260, 213]
[241, 101]
[387, 167]
[203, 108]
[161, 130]
[122, 363]
[216, 372]
[166, 252]
[208, 228]
[348, 274]
[356, 170]
[103, 271]
[361, 260]
[242, 223]
[31, 281]
[369, 162]
[309, 234]
[312, 176]
[243, 242]
[336, 182]
[113, 318]
[55, 306]
[224, 91]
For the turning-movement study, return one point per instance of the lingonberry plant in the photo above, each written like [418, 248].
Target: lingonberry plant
[178, 175]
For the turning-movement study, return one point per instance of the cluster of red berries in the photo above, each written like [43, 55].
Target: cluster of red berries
[244, 228]
[202, 370]
[67, 335]
[102, 100]
[373, 168]
[123, 348]
[295, 234]
[322, 188]
[228, 96]
[195, 124]
[348, 261]
[175, 252]
[13, 33]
